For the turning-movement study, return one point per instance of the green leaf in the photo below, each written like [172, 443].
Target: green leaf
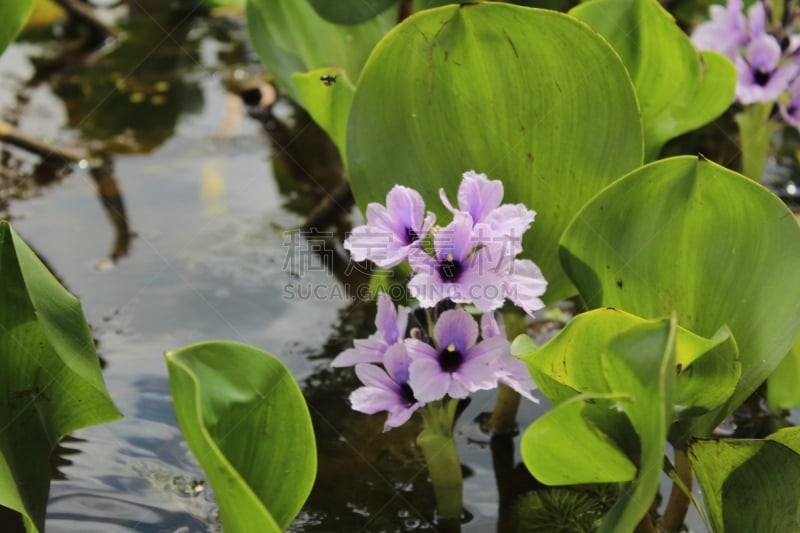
[289, 36]
[531, 97]
[687, 235]
[570, 363]
[246, 421]
[50, 378]
[327, 94]
[679, 89]
[641, 363]
[782, 386]
[708, 372]
[565, 446]
[628, 366]
[748, 484]
[13, 16]
[350, 12]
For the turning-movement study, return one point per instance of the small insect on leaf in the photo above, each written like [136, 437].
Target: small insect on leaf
[328, 79]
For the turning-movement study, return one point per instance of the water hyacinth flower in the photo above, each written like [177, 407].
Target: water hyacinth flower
[393, 231]
[391, 326]
[763, 76]
[458, 365]
[495, 224]
[458, 270]
[386, 390]
[790, 108]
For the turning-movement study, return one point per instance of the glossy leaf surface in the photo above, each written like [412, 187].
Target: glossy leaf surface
[679, 89]
[530, 97]
[247, 423]
[687, 235]
[50, 376]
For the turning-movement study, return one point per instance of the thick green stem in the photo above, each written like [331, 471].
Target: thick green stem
[755, 132]
[504, 415]
[678, 504]
[438, 446]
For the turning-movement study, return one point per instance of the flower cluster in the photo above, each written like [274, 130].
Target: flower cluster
[472, 260]
[767, 59]
[400, 375]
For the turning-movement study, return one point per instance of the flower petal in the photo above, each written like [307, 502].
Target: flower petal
[397, 360]
[456, 327]
[478, 195]
[406, 207]
[515, 374]
[365, 351]
[386, 319]
[420, 350]
[371, 400]
[375, 376]
[398, 417]
[427, 380]
[525, 284]
[489, 326]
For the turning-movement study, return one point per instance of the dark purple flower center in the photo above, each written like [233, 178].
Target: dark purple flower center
[411, 236]
[450, 268]
[407, 395]
[450, 359]
[761, 76]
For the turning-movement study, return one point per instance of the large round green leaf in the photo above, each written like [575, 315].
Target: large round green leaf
[687, 235]
[13, 15]
[50, 380]
[679, 89]
[247, 423]
[534, 98]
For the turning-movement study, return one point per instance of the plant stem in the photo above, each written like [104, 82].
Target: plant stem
[755, 132]
[504, 415]
[405, 10]
[678, 504]
[438, 446]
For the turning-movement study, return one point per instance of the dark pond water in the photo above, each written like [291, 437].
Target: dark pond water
[185, 234]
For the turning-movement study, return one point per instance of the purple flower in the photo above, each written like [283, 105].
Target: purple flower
[386, 390]
[495, 224]
[457, 270]
[790, 111]
[761, 77]
[457, 365]
[725, 32]
[391, 232]
[509, 370]
[391, 324]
